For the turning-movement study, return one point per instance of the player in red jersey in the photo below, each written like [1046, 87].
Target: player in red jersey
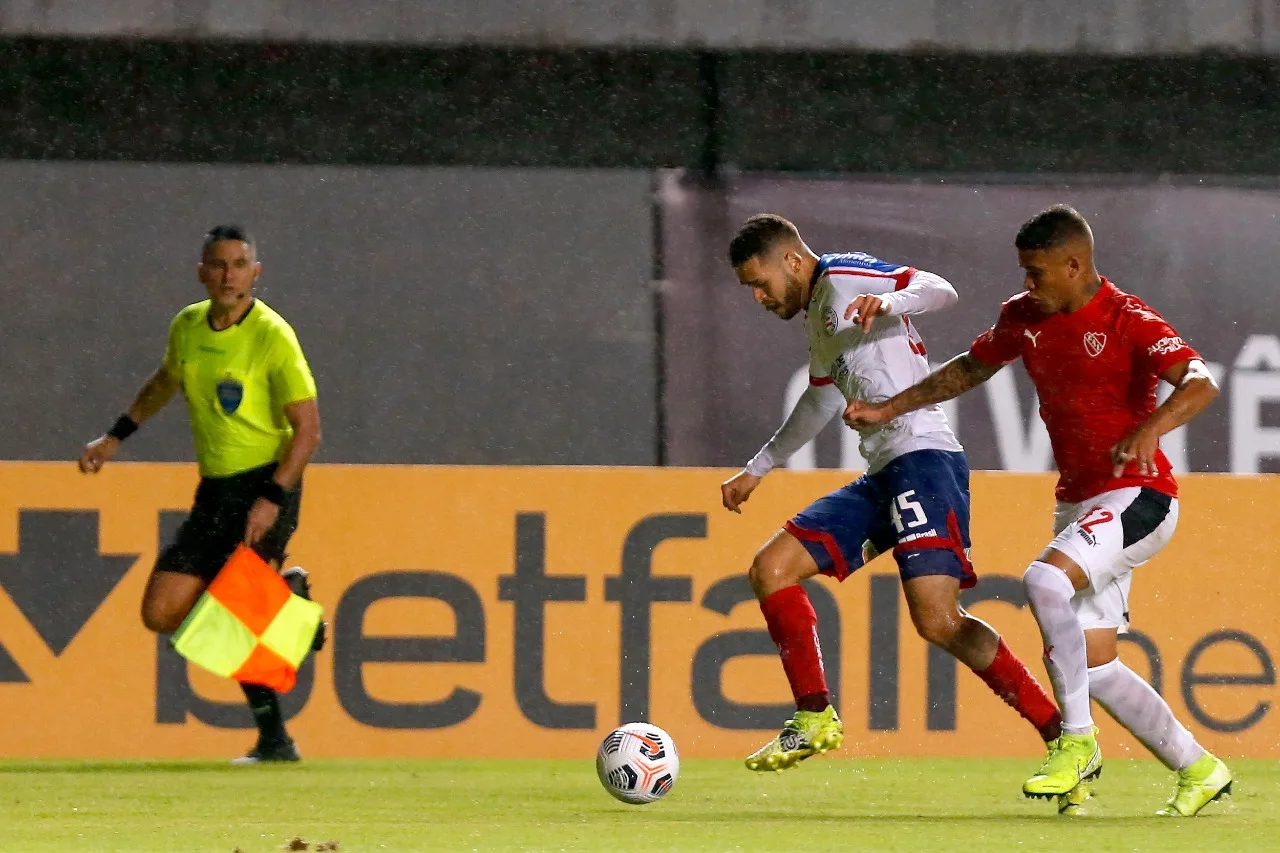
[1095, 355]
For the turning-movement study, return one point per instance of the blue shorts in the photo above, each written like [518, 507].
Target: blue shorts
[918, 505]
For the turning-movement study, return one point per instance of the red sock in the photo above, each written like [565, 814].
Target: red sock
[1014, 683]
[794, 627]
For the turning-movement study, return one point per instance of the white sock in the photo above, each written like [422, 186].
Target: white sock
[1140, 709]
[1050, 591]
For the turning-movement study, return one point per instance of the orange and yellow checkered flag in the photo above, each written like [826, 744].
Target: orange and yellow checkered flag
[249, 626]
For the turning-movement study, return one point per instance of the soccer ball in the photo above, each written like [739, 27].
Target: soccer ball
[638, 763]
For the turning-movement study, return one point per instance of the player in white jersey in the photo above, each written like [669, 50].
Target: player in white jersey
[914, 498]
[866, 358]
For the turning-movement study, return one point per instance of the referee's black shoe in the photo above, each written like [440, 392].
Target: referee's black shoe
[300, 584]
[267, 752]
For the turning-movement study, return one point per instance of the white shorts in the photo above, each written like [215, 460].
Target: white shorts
[1107, 536]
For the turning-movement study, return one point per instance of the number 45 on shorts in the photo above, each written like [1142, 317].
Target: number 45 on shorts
[904, 504]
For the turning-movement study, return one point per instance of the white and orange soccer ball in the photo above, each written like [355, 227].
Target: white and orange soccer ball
[638, 763]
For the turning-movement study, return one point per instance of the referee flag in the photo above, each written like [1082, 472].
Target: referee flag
[249, 626]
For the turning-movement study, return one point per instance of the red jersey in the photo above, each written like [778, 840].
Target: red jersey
[1095, 371]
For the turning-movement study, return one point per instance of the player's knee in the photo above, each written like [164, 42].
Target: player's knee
[1041, 580]
[159, 623]
[160, 619]
[769, 573]
[937, 626]
[1032, 574]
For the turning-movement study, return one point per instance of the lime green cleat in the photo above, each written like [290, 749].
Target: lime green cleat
[1072, 759]
[1071, 804]
[1200, 784]
[806, 734]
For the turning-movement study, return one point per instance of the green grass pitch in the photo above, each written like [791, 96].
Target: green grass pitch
[934, 805]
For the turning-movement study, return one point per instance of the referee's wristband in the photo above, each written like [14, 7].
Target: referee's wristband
[124, 427]
[273, 491]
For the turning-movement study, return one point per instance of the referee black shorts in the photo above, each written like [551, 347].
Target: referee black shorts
[216, 524]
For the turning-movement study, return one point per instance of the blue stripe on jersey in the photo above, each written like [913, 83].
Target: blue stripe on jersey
[856, 261]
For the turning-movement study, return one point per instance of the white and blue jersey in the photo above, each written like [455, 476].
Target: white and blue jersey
[889, 359]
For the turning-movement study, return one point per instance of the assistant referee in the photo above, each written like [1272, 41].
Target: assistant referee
[255, 421]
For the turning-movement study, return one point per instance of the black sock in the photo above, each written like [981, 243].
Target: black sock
[265, 705]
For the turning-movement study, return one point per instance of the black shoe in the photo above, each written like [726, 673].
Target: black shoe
[265, 753]
[300, 585]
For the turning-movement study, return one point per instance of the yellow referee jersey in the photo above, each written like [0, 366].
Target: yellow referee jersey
[237, 382]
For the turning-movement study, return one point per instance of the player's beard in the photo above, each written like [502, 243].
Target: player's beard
[793, 300]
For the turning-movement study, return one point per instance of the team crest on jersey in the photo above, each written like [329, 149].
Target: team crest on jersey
[230, 394]
[1094, 342]
[830, 320]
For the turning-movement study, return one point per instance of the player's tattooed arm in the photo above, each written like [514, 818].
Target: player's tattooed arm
[958, 375]
[1194, 389]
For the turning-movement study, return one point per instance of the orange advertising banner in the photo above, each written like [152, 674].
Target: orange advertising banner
[528, 611]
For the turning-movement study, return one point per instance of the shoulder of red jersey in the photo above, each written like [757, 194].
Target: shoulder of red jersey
[1021, 308]
[1132, 307]
[1150, 333]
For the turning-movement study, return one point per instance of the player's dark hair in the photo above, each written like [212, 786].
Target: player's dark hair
[225, 232]
[1050, 228]
[758, 235]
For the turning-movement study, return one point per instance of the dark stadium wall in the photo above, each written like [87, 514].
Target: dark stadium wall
[493, 304]
[758, 110]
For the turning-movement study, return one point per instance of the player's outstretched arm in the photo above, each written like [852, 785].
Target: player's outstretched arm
[958, 375]
[813, 411]
[153, 396]
[1194, 389]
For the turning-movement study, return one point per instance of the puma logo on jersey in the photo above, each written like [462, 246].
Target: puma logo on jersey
[1027, 332]
[1094, 342]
